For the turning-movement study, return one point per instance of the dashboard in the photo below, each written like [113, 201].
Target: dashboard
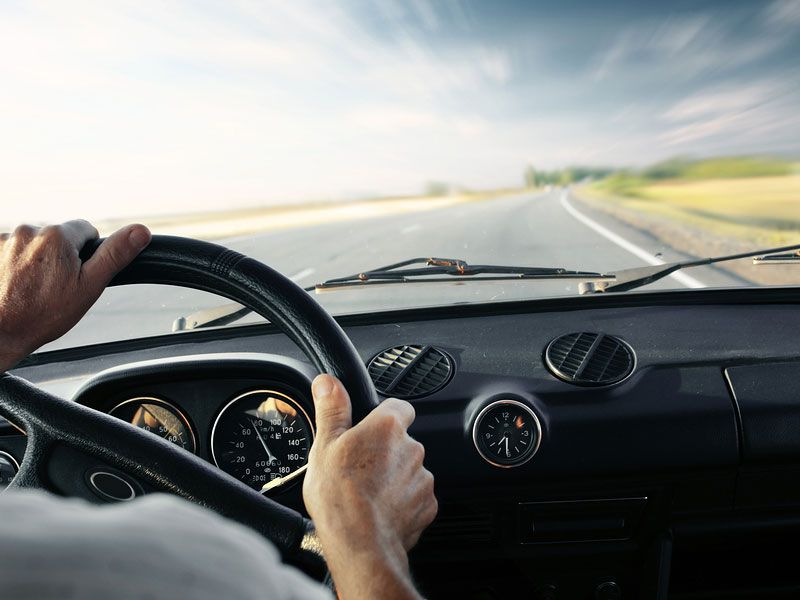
[637, 446]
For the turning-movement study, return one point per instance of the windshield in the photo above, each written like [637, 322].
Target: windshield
[331, 138]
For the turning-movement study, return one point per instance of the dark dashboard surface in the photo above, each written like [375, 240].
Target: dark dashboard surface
[641, 484]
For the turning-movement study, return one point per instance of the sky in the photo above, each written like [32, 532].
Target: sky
[114, 108]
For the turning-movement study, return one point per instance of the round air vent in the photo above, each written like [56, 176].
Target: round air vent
[410, 371]
[589, 359]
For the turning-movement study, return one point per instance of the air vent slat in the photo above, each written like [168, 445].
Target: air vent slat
[589, 359]
[410, 371]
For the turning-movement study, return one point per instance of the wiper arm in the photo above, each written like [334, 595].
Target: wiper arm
[433, 270]
[447, 268]
[211, 317]
[629, 279]
[437, 270]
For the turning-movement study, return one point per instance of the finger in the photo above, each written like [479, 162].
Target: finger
[115, 253]
[78, 232]
[332, 407]
[401, 409]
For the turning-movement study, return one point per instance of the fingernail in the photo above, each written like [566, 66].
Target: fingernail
[139, 237]
[322, 386]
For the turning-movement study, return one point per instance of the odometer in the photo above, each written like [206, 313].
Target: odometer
[262, 438]
[506, 433]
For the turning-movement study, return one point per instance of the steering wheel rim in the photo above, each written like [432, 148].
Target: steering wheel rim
[53, 424]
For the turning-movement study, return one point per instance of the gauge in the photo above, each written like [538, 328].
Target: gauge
[159, 417]
[9, 467]
[506, 433]
[262, 438]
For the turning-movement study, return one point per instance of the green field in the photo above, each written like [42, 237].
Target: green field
[744, 198]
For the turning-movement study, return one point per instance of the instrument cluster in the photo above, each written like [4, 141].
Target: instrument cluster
[260, 436]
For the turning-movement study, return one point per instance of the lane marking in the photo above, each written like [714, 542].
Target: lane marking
[411, 228]
[302, 274]
[620, 241]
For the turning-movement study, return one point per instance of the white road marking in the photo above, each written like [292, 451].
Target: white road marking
[620, 241]
[302, 274]
[411, 228]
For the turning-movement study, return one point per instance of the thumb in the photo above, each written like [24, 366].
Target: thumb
[115, 253]
[332, 407]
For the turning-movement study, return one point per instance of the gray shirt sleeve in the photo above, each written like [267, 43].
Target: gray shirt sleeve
[155, 547]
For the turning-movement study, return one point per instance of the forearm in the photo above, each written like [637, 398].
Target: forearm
[9, 354]
[370, 572]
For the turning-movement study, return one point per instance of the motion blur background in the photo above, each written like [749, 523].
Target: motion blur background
[411, 128]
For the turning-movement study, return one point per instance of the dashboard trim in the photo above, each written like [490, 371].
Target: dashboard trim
[688, 297]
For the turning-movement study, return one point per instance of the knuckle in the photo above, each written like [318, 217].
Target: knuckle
[51, 233]
[417, 452]
[86, 224]
[115, 258]
[429, 482]
[432, 510]
[24, 231]
[387, 424]
[401, 406]
[329, 413]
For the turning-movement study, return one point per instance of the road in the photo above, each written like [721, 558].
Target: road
[544, 229]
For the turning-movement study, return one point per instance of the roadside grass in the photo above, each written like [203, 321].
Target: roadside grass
[763, 209]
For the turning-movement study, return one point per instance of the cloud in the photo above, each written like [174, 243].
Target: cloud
[783, 14]
[741, 114]
[684, 47]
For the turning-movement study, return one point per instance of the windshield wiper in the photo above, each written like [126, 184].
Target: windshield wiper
[447, 268]
[432, 270]
[629, 279]
[778, 259]
[437, 270]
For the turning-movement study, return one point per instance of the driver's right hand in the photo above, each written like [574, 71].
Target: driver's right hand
[366, 487]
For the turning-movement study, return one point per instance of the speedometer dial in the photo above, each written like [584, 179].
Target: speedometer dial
[158, 417]
[262, 438]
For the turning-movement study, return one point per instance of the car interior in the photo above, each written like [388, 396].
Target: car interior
[567, 233]
[646, 445]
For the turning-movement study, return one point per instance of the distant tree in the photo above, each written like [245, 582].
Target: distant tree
[530, 177]
[437, 188]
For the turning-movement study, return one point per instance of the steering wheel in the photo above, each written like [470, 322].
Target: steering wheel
[61, 430]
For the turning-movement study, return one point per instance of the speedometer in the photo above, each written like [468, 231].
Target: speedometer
[262, 438]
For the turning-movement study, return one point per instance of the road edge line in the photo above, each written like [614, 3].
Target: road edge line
[682, 278]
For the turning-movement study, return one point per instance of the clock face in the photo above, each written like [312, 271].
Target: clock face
[507, 433]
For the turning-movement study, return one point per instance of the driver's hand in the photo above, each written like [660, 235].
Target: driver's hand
[44, 288]
[368, 492]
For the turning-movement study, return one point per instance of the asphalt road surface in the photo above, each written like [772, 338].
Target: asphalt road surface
[543, 229]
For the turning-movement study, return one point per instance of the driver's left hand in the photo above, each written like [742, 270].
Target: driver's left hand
[44, 287]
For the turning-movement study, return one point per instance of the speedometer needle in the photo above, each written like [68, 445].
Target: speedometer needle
[263, 443]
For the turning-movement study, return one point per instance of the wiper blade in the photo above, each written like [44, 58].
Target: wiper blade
[777, 259]
[447, 268]
[629, 279]
[433, 270]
